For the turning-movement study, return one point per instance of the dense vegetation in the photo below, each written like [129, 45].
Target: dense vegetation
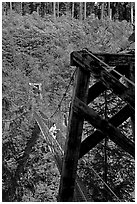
[37, 49]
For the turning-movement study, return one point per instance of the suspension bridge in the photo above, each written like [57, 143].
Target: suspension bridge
[107, 69]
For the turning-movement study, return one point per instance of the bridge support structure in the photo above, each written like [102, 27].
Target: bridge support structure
[108, 77]
[75, 127]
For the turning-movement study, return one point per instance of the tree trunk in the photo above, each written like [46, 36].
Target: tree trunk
[21, 8]
[57, 9]
[10, 6]
[67, 7]
[4, 8]
[31, 7]
[109, 11]
[85, 10]
[110, 14]
[80, 12]
[54, 9]
[132, 16]
[102, 11]
[38, 8]
[73, 6]
[42, 9]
